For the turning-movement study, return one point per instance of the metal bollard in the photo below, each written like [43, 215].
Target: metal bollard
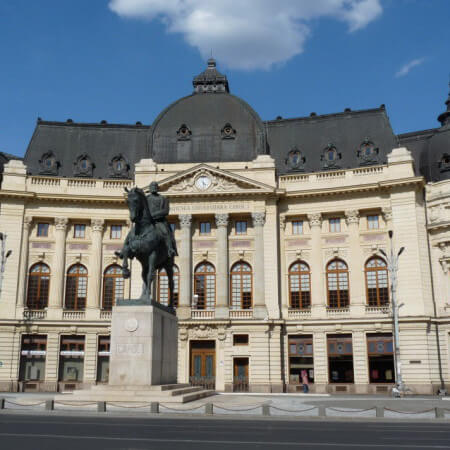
[439, 413]
[49, 405]
[154, 407]
[209, 408]
[2, 403]
[266, 410]
[379, 411]
[322, 411]
[101, 406]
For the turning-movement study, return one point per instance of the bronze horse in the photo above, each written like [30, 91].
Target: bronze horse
[145, 243]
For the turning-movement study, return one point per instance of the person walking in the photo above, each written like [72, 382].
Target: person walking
[305, 381]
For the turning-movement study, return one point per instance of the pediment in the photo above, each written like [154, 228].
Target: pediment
[204, 179]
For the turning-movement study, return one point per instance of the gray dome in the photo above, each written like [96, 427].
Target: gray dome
[207, 127]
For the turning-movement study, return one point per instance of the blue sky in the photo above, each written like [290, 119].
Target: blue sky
[126, 60]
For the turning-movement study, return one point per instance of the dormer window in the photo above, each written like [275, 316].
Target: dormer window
[295, 160]
[330, 157]
[367, 153]
[49, 164]
[83, 166]
[184, 133]
[444, 163]
[119, 167]
[228, 132]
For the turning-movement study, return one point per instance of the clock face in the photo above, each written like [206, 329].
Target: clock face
[203, 182]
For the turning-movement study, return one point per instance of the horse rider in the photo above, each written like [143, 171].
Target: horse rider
[159, 209]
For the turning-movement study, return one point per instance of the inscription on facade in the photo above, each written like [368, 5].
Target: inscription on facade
[374, 238]
[335, 240]
[210, 207]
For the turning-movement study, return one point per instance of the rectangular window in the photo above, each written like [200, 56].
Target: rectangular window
[373, 222]
[116, 231]
[32, 357]
[381, 358]
[71, 358]
[42, 229]
[79, 231]
[240, 339]
[300, 358]
[241, 227]
[205, 227]
[297, 227]
[340, 358]
[103, 359]
[335, 225]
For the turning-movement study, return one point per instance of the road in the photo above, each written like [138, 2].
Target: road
[19, 431]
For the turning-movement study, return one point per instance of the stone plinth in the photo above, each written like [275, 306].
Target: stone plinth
[143, 346]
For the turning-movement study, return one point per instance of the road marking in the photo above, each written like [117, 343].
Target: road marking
[364, 445]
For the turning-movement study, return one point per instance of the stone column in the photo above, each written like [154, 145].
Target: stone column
[222, 311]
[59, 266]
[284, 273]
[318, 292]
[259, 303]
[95, 266]
[184, 307]
[356, 264]
[21, 295]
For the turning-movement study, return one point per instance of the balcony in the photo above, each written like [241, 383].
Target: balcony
[73, 315]
[202, 314]
[241, 313]
[338, 312]
[30, 314]
[378, 310]
[299, 313]
[105, 315]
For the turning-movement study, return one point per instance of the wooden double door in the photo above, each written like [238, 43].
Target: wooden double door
[203, 364]
[240, 375]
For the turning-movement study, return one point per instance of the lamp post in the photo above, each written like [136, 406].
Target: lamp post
[4, 255]
[392, 263]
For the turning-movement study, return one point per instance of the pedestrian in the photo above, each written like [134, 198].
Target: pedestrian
[305, 381]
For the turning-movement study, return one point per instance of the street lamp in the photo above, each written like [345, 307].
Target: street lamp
[392, 263]
[4, 255]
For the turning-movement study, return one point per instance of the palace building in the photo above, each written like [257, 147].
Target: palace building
[280, 227]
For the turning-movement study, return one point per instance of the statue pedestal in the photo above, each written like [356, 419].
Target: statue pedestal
[143, 346]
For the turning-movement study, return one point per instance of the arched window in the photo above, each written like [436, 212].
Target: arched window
[299, 286]
[241, 286]
[112, 286]
[38, 286]
[163, 287]
[76, 287]
[377, 282]
[337, 283]
[205, 286]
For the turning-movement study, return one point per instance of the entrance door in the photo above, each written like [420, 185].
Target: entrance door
[203, 364]
[240, 375]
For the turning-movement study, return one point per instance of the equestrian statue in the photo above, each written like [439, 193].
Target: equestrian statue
[150, 239]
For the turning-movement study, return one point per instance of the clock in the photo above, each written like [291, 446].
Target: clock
[203, 182]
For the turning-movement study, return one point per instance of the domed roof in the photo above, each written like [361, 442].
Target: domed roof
[210, 125]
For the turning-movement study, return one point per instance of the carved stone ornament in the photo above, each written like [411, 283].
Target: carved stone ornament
[221, 334]
[183, 333]
[184, 133]
[202, 332]
[282, 222]
[352, 216]
[221, 220]
[97, 224]
[444, 163]
[367, 153]
[119, 167]
[185, 220]
[61, 223]
[83, 166]
[27, 221]
[228, 132]
[49, 164]
[444, 260]
[259, 219]
[387, 213]
[315, 220]
[330, 157]
[295, 160]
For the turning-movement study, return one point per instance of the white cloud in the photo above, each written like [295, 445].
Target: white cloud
[405, 69]
[248, 34]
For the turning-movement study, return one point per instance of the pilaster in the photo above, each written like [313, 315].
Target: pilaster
[259, 304]
[222, 308]
[95, 266]
[23, 272]
[184, 306]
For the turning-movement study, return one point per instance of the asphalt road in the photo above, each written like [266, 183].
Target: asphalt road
[38, 432]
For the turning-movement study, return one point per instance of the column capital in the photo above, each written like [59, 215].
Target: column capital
[222, 219]
[259, 219]
[185, 220]
[97, 224]
[315, 220]
[282, 221]
[27, 221]
[61, 223]
[352, 216]
[387, 213]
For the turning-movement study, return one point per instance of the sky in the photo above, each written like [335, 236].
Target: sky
[126, 60]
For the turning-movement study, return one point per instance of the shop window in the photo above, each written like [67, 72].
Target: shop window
[38, 286]
[79, 231]
[337, 283]
[113, 286]
[32, 357]
[240, 339]
[380, 350]
[116, 231]
[241, 227]
[71, 358]
[163, 287]
[297, 227]
[42, 229]
[241, 286]
[76, 287]
[334, 225]
[377, 282]
[299, 286]
[205, 227]
[204, 286]
[340, 358]
[300, 358]
[103, 354]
